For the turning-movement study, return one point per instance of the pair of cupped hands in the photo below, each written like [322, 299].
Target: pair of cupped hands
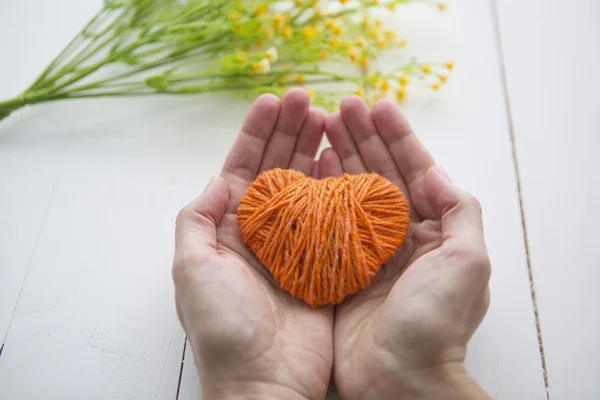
[402, 337]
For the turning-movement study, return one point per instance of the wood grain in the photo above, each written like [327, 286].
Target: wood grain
[551, 50]
[102, 181]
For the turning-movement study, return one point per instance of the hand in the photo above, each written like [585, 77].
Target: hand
[250, 339]
[405, 335]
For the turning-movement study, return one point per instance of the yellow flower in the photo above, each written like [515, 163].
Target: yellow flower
[262, 67]
[360, 93]
[426, 68]
[241, 58]
[338, 30]
[268, 32]
[262, 9]
[361, 42]
[402, 43]
[392, 6]
[364, 61]
[366, 22]
[300, 78]
[334, 42]
[234, 16]
[377, 23]
[436, 86]
[278, 21]
[390, 35]
[442, 6]
[375, 34]
[317, 12]
[383, 85]
[403, 81]
[272, 54]
[353, 53]
[450, 65]
[287, 32]
[323, 55]
[330, 24]
[443, 78]
[308, 33]
[298, 3]
[344, 1]
[346, 44]
[401, 95]
[382, 44]
[311, 93]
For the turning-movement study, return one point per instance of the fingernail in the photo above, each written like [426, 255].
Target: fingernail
[209, 183]
[444, 173]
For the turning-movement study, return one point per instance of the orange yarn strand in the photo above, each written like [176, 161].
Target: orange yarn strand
[323, 240]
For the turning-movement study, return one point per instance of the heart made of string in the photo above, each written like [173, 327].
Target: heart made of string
[323, 240]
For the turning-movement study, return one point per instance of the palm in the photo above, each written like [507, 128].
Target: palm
[407, 305]
[275, 134]
[277, 325]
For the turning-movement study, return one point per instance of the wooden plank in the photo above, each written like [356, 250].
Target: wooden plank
[551, 50]
[28, 169]
[465, 127]
[96, 316]
[28, 176]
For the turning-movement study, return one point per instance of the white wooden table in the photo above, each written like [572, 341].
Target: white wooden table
[89, 191]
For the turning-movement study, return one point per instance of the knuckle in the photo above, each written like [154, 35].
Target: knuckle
[183, 214]
[192, 213]
[472, 201]
[476, 260]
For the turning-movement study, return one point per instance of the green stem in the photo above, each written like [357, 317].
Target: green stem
[8, 106]
[88, 51]
[156, 64]
[68, 49]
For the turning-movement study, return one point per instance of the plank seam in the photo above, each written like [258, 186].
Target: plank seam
[181, 369]
[509, 115]
[35, 246]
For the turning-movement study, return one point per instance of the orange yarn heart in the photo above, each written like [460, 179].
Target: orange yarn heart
[323, 239]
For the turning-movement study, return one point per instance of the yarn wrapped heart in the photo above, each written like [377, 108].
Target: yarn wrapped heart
[323, 240]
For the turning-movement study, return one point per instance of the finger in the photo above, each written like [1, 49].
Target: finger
[315, 170]
[196, 226]
[294, 110]
[460, 212]
[372, 148]
[342, 142]
[330, 164]
[462, 224]
[409, 154]
[308, 141]
[244, 158]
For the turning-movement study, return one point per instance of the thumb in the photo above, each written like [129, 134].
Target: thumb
[460, 213]
[196, 225]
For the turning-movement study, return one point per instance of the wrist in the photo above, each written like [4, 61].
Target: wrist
[248, 391]
[447, 382]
